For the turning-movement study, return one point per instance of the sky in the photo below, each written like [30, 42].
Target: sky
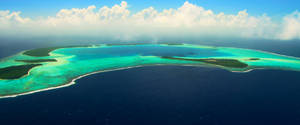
[152, 19]
[256, 7]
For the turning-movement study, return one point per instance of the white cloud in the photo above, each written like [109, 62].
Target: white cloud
[119, 23]
[291, 27]
[10, 19]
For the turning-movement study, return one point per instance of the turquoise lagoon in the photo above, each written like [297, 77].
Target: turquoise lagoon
[73, 63]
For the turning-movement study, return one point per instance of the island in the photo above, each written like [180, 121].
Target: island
[42, 69]
[230, 63]
[15, 72]
[41, 52]
[37, 60]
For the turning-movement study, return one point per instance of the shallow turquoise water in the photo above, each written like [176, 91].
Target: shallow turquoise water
[74, 62]
[143, 50]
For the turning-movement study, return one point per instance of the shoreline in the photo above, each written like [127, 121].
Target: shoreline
[73, 81]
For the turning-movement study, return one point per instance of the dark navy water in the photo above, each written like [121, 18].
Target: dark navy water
[166, 95]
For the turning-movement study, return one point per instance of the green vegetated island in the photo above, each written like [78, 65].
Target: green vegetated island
[54, 67]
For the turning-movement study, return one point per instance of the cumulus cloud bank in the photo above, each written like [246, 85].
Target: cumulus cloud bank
[119, 23]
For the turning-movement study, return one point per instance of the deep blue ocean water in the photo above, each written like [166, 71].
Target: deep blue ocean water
[166, 95]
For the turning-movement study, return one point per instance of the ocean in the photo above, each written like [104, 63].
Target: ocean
[166, 95]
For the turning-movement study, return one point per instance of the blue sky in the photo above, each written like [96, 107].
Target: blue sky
[135, 19]
[35, 8]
